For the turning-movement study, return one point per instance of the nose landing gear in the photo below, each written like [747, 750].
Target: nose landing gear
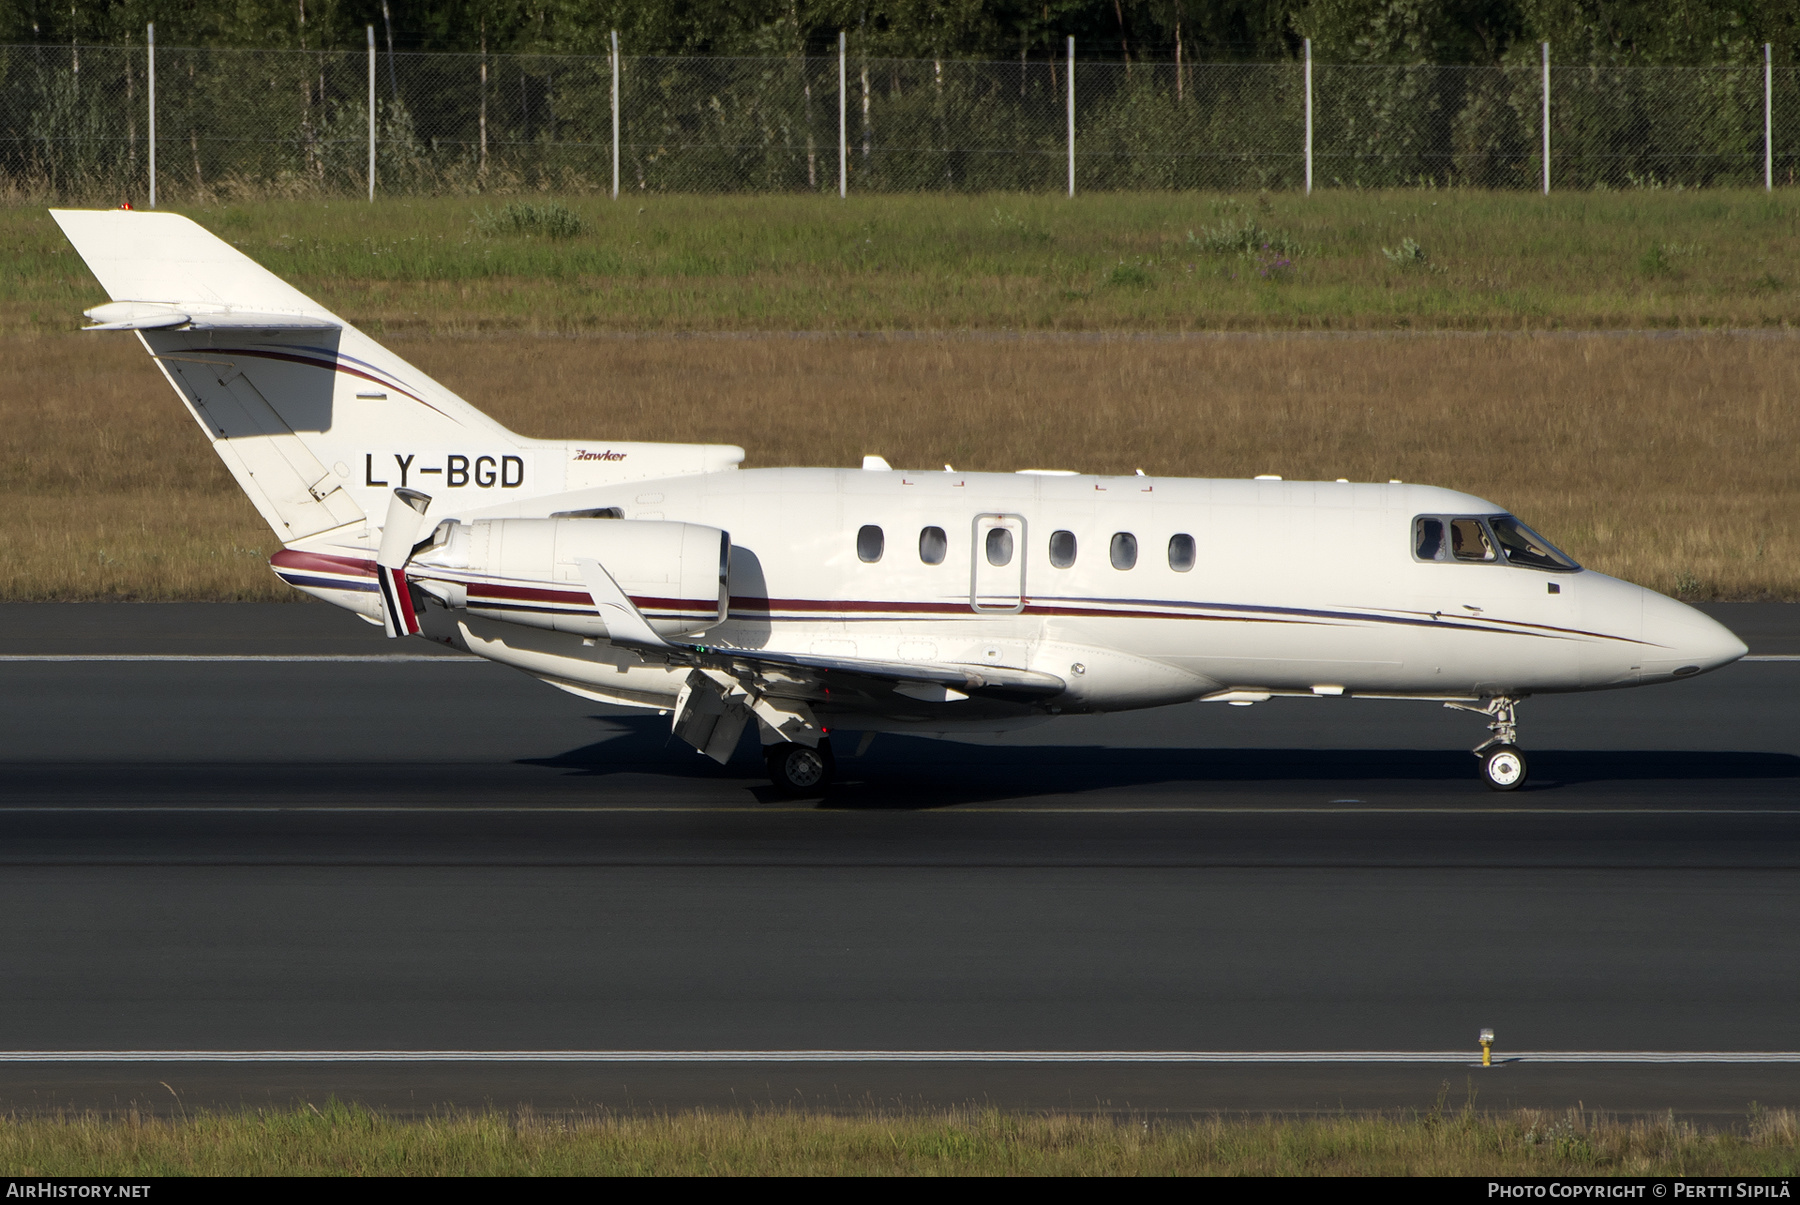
[1502, 764]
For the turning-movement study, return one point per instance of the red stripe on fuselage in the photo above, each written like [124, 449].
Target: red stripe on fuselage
[852, 610]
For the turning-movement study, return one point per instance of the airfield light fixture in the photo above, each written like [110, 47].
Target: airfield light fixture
[1487, 1047]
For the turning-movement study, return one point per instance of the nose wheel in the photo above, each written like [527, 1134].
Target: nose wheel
[1502, 763]
[1502, 767]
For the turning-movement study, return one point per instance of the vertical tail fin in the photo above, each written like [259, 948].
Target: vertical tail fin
[317, 421]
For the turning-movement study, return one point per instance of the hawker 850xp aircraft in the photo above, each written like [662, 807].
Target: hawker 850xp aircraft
[864, 600]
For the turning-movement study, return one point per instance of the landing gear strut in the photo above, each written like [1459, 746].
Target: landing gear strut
[799, 770]
[1502, 764]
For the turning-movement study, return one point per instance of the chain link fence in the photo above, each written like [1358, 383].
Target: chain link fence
[74, 124]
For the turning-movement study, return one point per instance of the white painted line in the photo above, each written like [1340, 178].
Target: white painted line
[1293, 1057]
[365, 658]
[1773, 657]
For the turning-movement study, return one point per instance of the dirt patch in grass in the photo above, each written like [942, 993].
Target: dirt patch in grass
[1669, 461]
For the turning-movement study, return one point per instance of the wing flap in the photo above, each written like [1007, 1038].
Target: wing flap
[803, 673]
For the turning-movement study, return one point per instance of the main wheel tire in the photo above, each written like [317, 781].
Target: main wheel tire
[1503, 768]
[799, 770]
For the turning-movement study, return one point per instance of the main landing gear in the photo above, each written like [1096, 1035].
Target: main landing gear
[798, 769]
[1502, 764]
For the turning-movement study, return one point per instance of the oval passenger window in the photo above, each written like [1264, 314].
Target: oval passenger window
[869, 543]
[1062, 549]
[1124, 550]
[1181, 552]
[999, 546]
[932, 545]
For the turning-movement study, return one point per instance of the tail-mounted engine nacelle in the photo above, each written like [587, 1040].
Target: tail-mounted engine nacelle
[527, 571]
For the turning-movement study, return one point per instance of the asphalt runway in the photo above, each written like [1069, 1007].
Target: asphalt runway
[441, 855]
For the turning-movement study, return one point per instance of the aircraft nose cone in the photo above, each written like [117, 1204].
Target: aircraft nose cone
[1684, 641]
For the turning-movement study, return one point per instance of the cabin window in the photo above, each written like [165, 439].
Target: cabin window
[1124, 550]
[869, 543]
[1523, 546]
[999, 546]
[1428, 539]
[933, 545]
[1181, 552]
[1469, 541]
[1062, 549]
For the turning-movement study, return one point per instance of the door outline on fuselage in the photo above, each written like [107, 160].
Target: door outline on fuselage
[984, 597]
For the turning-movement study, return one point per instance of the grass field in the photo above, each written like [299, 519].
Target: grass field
[1668, 461]
[1336, 260]
[349, 1141]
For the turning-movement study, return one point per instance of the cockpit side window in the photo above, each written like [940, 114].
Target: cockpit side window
[1469, 541]
[1523, 546]
[1428, 538]
[1489, 540]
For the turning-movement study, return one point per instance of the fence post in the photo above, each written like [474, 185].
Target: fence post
[1768, 118]
[1546, 119]
[1309, 164]
[150, 44]
[1071, 116]
[615, 113]
[843, 125]
[371, 113]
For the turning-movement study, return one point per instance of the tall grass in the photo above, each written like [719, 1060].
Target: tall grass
[339, 1140]
[998, 262]
[1666, 461]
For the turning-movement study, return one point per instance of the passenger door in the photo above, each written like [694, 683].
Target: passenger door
[997, 576]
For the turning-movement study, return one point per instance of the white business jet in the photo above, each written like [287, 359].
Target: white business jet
[867, 600]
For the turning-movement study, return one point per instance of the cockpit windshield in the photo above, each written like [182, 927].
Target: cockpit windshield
[1526, 547]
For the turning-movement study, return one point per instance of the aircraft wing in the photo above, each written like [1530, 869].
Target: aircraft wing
[811, 677]
[804, 677]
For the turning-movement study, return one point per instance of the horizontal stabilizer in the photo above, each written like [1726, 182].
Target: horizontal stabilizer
[158, 315]
[146, 256]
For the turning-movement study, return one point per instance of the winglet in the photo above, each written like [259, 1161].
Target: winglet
[625, 624]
